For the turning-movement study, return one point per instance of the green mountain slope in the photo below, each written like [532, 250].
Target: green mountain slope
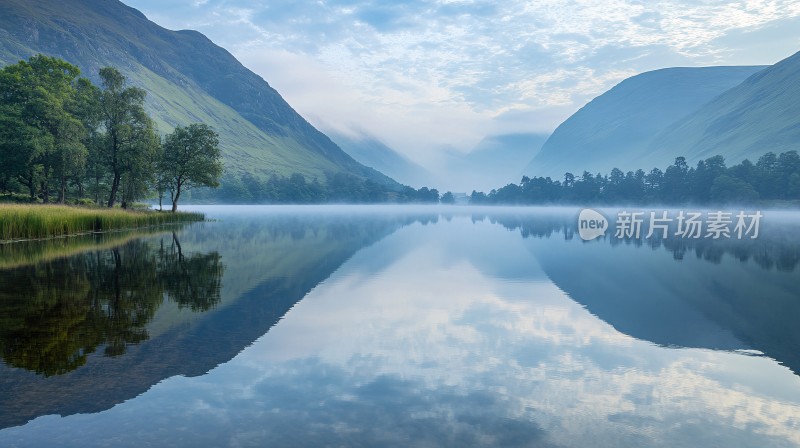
[760, 115]
[614, 129]
[188, 79]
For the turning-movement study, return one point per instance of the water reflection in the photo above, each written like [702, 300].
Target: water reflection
[719, 294]
[54, 314]
[455, 333]
[777, 247]
[101, 327]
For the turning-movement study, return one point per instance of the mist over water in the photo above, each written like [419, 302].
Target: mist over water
[425, 326]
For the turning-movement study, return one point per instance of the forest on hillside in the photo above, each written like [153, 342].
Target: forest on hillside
[773, 178]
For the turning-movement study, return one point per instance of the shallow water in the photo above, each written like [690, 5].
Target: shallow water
[404, 326]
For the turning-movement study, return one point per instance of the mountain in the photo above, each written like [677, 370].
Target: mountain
[616, 128]
[755, 117]
[188, 79]
[494, 162]
[373, 153]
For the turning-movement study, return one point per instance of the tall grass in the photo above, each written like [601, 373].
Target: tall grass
[29, 222]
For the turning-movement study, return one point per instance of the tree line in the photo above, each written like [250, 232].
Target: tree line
[64, 139]
[297, 189]
[772, 178]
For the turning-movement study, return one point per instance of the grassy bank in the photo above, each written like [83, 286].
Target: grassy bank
[29, 222]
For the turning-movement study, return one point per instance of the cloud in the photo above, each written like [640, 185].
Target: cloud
[424, 74]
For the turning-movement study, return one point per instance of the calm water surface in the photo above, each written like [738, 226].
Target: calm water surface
[379, 326]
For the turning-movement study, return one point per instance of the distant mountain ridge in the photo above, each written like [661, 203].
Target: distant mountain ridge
[760, 115]
[188, 79]
[616, 128]
[371, 152]
[495, 161]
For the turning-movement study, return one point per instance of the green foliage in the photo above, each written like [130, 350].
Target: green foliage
[297, 189]
[128, 145]
[771, 178]
[43, 134]
[726, 189]
[60, 133]
[190, 158]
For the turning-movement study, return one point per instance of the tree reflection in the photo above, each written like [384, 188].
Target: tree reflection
[776, 248]
[190, 281]
[55, 313]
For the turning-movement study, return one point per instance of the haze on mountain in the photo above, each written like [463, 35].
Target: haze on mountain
[188, 79]
[370, 151]
[494, 162]
[616, 129]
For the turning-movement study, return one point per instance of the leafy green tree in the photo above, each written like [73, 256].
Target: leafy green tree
[448, 198]
[191, 158]
[43, 137]
[127, 144]
[766, 173]
[16, 135]
[86, 107]
[140, 161]
[18, 145]
[674, 187]
[726, 189]
[704, 175]
[788, 166]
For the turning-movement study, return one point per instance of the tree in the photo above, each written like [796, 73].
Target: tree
[707, 171]
[18, 146]
[726, 189]
[674, 187]
[43, 137]
[191, 159]
[448, 198]
[128, 144]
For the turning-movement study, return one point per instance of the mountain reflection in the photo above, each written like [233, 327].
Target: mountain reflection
[776, 248]
[724, 294]
[84, 333]
[55, 313]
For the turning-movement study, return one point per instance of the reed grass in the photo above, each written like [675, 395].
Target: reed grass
[33, 221]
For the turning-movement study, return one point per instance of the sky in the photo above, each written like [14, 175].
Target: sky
[428, 75]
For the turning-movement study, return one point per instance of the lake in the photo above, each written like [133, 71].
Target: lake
[401, 326]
